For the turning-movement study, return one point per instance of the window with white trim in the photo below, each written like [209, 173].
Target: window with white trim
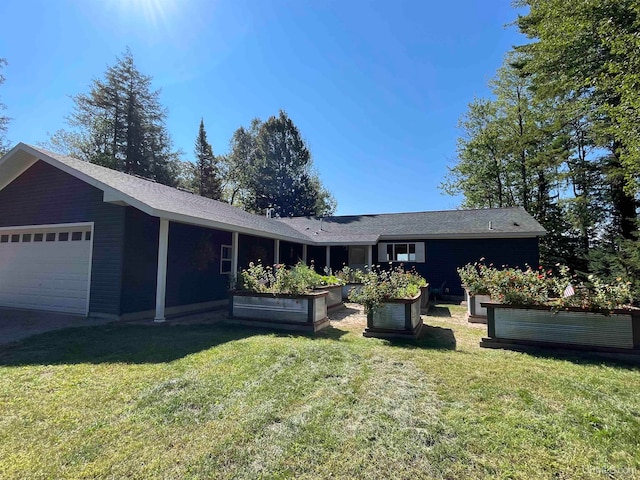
[402, 252]
[226, 256]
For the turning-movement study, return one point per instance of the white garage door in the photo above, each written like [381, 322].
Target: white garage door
[46, 268]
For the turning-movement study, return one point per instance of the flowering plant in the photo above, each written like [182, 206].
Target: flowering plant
[473, 277]
[351, 275]
[528, 286]
[296, 280]
[383, 285]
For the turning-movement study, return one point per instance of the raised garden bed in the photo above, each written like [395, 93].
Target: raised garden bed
[307, 312]
[573, 328]
[395, 318]
[334, 297]
[346, 289]
[476, 313]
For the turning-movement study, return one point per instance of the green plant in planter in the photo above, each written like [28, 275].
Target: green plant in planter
[515, 286]
[379, 286]
[329, 280]
[296, 280]
[473, 276]
[351, 275]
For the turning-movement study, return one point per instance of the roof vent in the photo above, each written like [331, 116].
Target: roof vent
[490, 225]
[516, 224]
[270, 211]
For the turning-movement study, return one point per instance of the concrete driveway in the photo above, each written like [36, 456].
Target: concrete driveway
[18, 324]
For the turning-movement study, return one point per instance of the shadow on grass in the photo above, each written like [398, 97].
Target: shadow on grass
[578, 357]
[434, 338]
[342, 313]
[136, 344]
[439, 311]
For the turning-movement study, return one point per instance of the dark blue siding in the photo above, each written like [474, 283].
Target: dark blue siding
[290, 253]
[443, 257]
[339, 258]
[140, 262]
[254, 249]
[46, 195]
[318, 256]
[193, 265]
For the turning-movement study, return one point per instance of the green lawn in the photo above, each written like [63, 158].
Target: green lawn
[220, 402]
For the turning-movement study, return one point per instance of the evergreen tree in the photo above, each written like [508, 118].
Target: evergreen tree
[120, 124]
[271, 167]
[207, 170]
[4, 120]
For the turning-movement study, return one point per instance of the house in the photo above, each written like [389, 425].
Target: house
[80, 238]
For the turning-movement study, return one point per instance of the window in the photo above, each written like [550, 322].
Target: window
[38, 237]
[401, 252]
[87, 236]
[63, 236]
[15, 238]
[26, 237]
[4, 238]
[226, 255]
[51, 237]
[75, 236]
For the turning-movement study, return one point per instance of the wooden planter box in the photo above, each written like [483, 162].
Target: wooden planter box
[575, 328]
[476, 313]
[290, 312]
[347, 288]
[395, 318]
[334, 297]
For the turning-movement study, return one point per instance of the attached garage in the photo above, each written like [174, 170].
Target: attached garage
[46, 267]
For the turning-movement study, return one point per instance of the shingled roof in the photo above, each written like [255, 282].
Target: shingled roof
[162, 201]
[480, 223]
[154, 198]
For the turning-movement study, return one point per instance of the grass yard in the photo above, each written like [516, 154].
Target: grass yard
[198, 401]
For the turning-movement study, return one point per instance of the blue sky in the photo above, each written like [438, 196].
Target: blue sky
[376, 87]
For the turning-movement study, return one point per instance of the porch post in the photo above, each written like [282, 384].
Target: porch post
[234, 253]
[161, 280]
[304, 253]
[370, 256]
[276, 252]
[328, 260]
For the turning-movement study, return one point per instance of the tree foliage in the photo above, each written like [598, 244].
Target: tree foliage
[270, 166]
[120, 124]
[207, 170]
[560, 135]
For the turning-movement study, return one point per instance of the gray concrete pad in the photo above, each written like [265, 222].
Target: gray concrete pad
[16, 324]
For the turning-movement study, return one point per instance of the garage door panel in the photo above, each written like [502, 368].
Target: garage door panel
[62, 289]
[45, 275]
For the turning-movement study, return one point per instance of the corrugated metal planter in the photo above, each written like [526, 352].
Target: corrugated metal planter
[476, 313]
[334, 299]
[395, 318]
[425, 293]
[618, 331]
[291, 312]
[346, 289]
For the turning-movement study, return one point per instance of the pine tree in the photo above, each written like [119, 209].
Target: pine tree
[120, 124]
[207, 169]
[270, 166]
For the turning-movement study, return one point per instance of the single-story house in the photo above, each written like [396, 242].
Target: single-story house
[80, 238]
